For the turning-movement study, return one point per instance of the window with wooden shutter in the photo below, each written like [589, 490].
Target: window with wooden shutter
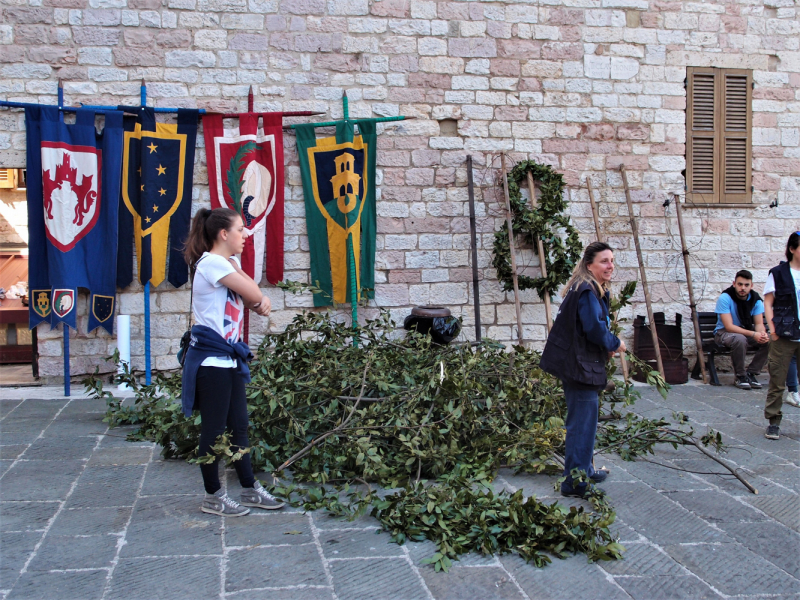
[718, 135]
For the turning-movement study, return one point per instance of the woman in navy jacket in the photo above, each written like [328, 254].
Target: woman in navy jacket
[576, 352]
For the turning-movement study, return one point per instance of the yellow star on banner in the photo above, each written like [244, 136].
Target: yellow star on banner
[142, 187]
[139, 170]
[162, 191]
[147, 219]
[152, 147]
[161, 170]
[155, 208]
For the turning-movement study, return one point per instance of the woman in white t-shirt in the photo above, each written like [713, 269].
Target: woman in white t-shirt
[215, 371]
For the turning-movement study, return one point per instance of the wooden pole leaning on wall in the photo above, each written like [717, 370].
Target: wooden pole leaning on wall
[642, 274]
[511, 250]
[698, 340]
[548, 310]
[596, 216]
[595, 213]
[476, 292]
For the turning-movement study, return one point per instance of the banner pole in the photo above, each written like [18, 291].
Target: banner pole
[351, 258]
[147, 366]
[66, 360]
[246, 318]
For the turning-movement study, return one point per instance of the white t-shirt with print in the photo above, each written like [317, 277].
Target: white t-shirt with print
[769, 287]
[215, 306]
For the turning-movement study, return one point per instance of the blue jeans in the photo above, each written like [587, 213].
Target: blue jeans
[582, 412]
[791, 376]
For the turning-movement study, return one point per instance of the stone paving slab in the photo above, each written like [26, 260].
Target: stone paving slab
[772, 541]
[464, 582]
[684, 587]
[733, 569]
[166, 578]
[85, 514]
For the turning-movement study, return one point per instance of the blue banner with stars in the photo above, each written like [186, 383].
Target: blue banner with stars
[156, 191]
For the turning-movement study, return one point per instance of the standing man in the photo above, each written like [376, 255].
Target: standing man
[740, 325]
[782, 303]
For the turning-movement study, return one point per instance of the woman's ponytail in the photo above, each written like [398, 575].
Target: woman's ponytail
[198, 241]
[206, 226]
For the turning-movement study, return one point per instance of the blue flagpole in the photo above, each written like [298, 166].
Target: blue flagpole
[147, 368]
[66, 359]
[66, 327]
[351, 260]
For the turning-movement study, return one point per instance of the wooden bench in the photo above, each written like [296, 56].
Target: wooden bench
[708, 322]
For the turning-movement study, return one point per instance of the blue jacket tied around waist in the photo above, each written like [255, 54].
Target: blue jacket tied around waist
[206, 342]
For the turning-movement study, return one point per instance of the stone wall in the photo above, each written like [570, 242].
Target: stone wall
[583, 85]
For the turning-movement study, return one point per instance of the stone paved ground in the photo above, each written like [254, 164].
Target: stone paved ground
[85, 514]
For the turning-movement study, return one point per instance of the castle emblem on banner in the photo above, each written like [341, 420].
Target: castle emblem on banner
[338, 175]
[71, 186]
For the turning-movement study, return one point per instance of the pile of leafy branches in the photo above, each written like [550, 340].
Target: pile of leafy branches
[433, 423]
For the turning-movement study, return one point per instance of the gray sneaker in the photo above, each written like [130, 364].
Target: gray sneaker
[220, 504]
[260, 498]
[773, 432]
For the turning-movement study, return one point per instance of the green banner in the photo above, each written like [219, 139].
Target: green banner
[339, 187]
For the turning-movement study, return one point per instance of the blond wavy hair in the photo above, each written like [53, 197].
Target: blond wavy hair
[582, 274]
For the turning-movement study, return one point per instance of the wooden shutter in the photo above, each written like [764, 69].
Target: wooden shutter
[702, 116]
[7, 178]
[718, 135]
[736, 122]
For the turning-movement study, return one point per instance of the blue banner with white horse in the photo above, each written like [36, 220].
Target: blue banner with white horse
[73, 207]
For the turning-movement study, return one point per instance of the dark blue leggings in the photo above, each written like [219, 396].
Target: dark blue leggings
[221, 395]
[582, 409]
[791, 376]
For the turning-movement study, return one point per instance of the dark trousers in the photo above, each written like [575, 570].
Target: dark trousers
[223, 405]
[739, 345]
[582, 409]
[780, 358]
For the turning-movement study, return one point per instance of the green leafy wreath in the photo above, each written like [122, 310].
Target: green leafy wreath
[543, 222]
[235, 172]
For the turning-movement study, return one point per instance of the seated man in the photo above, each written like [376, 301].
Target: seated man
[740, 324]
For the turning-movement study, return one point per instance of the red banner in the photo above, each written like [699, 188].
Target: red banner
[245, 173]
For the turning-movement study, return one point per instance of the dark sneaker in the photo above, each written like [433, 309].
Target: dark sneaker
[754, 384]
[580, 491]
[743, 383]
[220, 504]
[258, 497]
[599, 476]
[773, 432]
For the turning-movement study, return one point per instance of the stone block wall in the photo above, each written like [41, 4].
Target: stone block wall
[582, 85]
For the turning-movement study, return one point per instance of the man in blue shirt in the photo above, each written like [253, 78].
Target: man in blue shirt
[740, 325]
